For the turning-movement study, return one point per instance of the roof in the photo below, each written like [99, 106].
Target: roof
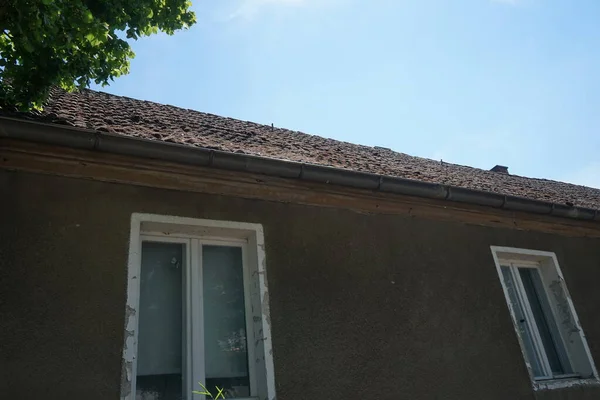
[148, 120]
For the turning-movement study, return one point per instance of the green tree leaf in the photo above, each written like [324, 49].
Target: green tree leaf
[69, 43]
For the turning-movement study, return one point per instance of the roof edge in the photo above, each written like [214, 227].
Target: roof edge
[80, 138]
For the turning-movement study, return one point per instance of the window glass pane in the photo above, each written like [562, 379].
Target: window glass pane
[159, 364]
[544, 318]
[226, 354]
[526, 337]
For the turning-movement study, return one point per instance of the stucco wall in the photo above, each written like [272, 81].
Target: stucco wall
[362, 306]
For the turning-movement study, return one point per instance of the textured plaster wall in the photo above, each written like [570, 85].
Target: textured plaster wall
[362, 306]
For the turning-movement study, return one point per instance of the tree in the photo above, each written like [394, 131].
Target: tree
[69, 43]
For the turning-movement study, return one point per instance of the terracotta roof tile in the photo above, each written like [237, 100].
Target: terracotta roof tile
[148, 120]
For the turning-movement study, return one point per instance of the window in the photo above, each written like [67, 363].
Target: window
[199, 317]
[551, 338]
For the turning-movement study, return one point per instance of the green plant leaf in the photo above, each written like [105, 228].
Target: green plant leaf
[78, 41]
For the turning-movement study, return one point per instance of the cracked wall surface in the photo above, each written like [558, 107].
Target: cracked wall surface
[361, 305]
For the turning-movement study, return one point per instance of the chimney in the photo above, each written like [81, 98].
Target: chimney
[501, 169]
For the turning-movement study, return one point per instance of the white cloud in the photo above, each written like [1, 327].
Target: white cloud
[589, 175]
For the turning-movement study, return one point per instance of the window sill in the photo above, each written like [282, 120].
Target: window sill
[565, 383]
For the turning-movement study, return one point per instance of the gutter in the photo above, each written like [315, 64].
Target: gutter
[80, 138]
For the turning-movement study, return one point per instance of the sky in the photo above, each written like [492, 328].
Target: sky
[472, 82]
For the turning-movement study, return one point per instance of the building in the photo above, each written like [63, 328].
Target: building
[147, 248]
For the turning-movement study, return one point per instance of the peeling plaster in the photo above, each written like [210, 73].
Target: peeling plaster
[128, 351]
[126, 378]
[130, 311]
[265, 308]
[562, 304]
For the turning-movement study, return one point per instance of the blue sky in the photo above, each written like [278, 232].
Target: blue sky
[473, 82]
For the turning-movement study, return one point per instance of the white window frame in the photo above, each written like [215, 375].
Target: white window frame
[561, 304]
[194, 233]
